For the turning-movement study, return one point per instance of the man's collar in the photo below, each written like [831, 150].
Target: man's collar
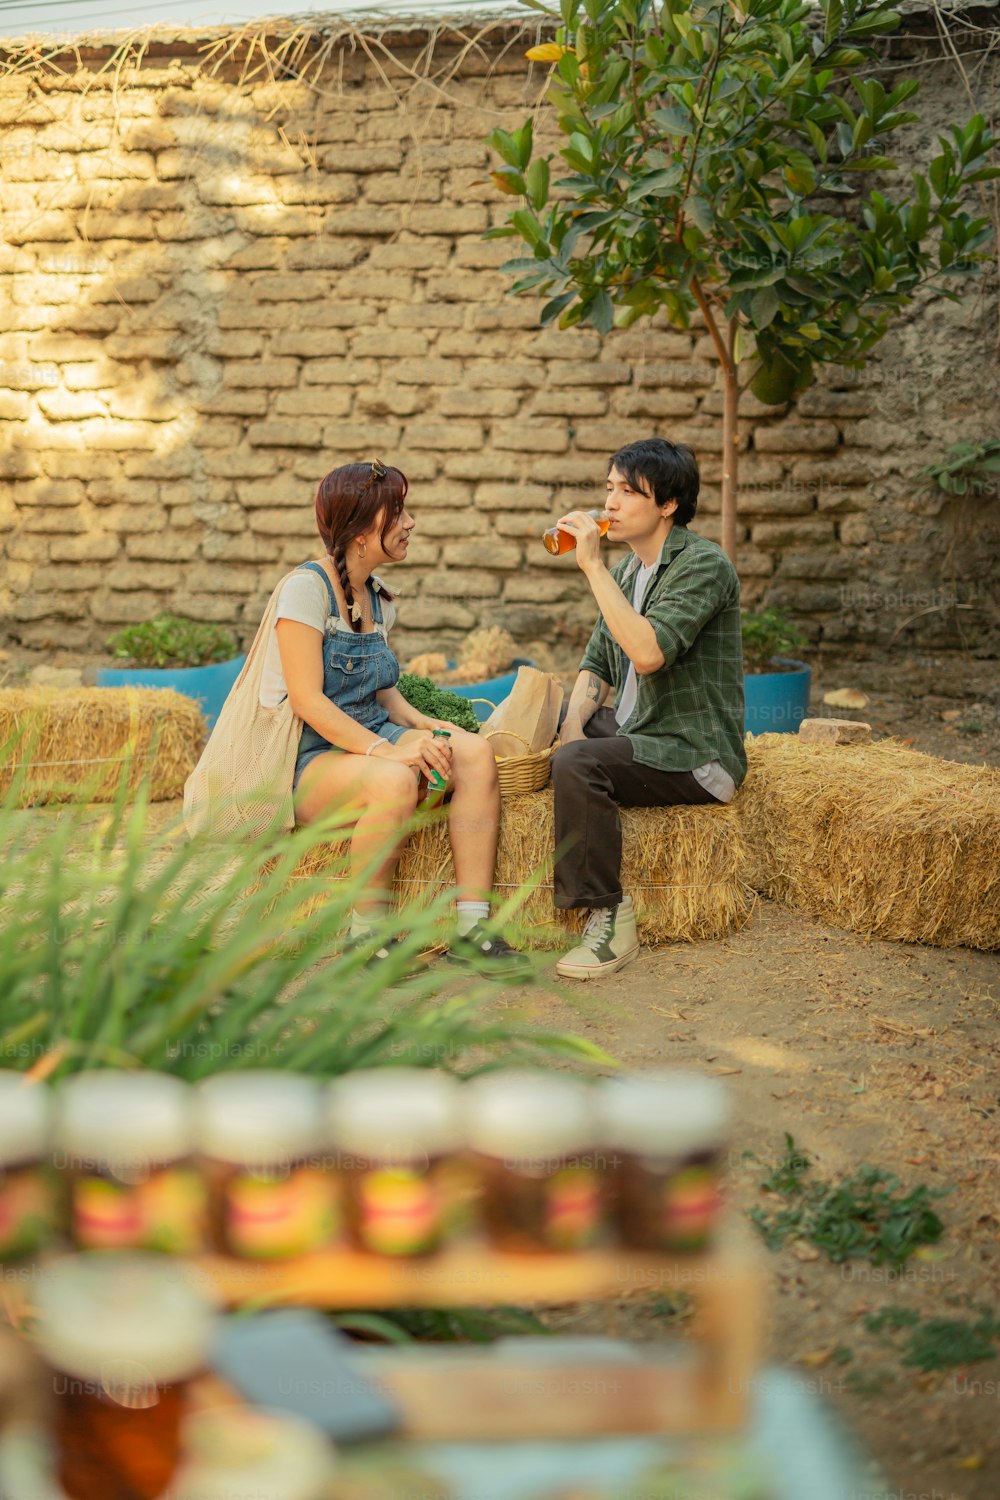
[676, 540]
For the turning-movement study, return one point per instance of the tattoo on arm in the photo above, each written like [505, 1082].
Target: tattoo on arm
[594, 691]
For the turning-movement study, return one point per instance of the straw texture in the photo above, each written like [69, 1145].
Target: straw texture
[76, 744]
[681, 865]
[878, 839]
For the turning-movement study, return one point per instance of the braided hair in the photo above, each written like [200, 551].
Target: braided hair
[350, 500]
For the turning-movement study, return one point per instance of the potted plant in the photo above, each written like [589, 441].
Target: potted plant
[199, 660]
[775, 685]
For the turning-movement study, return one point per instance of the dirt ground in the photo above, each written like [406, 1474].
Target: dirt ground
[865, 1052]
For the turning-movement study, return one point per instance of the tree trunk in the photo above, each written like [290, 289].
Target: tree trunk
[726, 349]
[730, 459]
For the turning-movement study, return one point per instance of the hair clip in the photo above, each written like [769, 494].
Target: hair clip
[379, 470]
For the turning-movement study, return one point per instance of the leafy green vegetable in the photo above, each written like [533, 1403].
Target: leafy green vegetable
[169, 641]
[437, 702]
[865, 1215]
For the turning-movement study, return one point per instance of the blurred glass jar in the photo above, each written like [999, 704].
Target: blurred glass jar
[124, 1143]
[396, 1137]
[122, 1335]
[668, 1132]
[532, 1138]
[271, 1193]
[27, 1187]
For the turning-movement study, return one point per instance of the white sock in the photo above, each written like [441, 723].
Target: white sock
[469, 913]
[361, 924]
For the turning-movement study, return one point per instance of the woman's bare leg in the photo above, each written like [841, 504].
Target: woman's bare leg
[385, 795]
[473, 815]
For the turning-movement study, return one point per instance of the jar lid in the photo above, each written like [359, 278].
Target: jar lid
[233, 1452]
[123, 1121]
[125, 1321]
[662, 1112]
[395, 1114]
[265, 1118]
[528, 1116]
[25, 1114]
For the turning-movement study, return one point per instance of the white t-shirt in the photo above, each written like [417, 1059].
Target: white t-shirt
[305, 598]
[713, 775]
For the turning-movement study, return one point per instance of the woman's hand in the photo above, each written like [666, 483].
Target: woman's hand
[423, 722]
[588, 537]
[421, 752]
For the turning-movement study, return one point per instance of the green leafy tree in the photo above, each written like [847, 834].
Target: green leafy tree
[715, 159]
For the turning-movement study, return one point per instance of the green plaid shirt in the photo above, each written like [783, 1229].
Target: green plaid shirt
[690, 710]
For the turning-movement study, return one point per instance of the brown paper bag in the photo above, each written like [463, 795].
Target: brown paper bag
[526, 721]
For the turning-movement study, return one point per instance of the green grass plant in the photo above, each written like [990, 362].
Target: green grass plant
[123, 943]
[864, 1216]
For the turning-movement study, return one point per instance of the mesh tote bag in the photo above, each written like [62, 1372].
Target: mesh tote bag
[242, 785]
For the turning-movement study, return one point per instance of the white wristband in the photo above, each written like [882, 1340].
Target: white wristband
[373, 746]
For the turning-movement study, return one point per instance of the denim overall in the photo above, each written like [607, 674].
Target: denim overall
[356, 666]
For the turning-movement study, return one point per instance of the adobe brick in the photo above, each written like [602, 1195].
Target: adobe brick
[797, 437]
[302, 287]
[815, 564]
[450, 522]
[338, 315]
[503, 375]
[263, 372]
[343, 157]
[445, 436]
[391, 401]
[485, 465]
[276, 218]
[283, 522]
[300, 433]
[239, 403]
[404, 188]
[513, 496]
[315, 401]
[468, 582]
[410, 255]
[240, 463]
[501, 555]
[357, 437]
[123, 609]
[15, 406]
[310, 188]
[252, 315]
[425, 315]
[360, 282]
[531, 437]
[425, 372]
[90, 548]
[340, 372]
[361, 219]
[472, 218]
[322, 255]
[654, 403]
[782, 533]
[460, 403]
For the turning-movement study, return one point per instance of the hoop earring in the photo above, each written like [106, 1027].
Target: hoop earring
[362, 549]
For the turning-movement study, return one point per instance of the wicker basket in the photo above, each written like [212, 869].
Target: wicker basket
[523, 773]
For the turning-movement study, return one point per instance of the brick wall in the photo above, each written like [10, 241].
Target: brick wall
[215, 287]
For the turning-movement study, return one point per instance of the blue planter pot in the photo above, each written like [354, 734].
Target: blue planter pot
[494, 689]
[208, 686]
[777, 702]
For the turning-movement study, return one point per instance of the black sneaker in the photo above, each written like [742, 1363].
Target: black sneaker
[488, 953]
[365, 943]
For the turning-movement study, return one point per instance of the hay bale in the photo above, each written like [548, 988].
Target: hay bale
[878, 839]
[681, 865]
[76, 744]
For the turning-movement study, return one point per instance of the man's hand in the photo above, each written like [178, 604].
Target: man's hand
[588, 538]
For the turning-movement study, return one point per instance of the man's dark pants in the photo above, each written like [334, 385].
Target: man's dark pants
[593, 777]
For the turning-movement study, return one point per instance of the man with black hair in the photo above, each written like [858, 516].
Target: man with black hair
[668, 646]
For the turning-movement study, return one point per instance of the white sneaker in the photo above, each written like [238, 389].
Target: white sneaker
[609, 941]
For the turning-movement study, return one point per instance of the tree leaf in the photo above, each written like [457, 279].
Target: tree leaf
[764, 306]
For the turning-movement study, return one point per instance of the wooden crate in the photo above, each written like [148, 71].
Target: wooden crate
[459, 1395]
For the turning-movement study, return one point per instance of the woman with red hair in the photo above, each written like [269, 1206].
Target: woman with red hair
[362, 744]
